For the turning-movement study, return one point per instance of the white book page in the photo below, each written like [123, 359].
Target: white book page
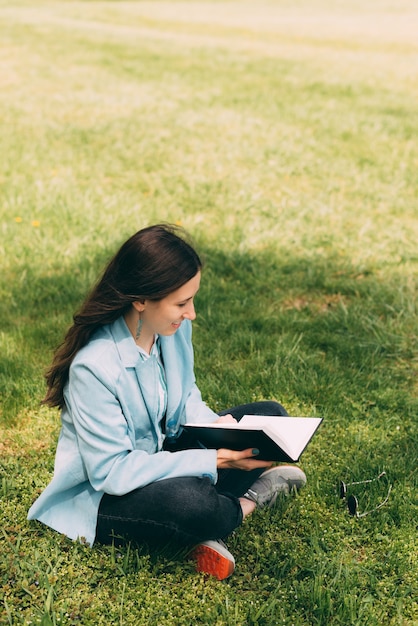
[227, 425]
[291, 433]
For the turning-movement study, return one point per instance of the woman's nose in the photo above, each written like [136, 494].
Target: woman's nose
[190, 313]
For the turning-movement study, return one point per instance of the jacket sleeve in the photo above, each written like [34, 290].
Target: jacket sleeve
[196, 410]
[114, 463]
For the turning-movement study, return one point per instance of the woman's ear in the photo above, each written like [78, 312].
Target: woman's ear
[139, 305]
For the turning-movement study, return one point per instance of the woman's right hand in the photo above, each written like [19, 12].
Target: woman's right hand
[240, 459]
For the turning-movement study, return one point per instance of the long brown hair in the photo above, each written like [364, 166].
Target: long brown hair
[149, 266]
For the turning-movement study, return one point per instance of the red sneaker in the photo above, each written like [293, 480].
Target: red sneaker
[213, 558]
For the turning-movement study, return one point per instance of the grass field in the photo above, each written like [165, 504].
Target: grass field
[283, 135]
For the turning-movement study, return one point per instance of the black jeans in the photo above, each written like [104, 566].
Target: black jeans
[185, 510]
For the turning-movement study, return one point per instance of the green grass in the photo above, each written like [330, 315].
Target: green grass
[282, 135]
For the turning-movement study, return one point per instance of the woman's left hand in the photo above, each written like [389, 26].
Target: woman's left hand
[226, 419]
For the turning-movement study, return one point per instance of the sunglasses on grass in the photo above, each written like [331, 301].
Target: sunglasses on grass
[352, 501]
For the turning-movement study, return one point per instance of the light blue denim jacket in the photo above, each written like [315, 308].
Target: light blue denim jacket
[110, 441]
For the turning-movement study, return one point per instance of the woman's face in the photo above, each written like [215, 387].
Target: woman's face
[165, 316]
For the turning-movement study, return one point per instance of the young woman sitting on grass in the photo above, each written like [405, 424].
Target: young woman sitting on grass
[124, 381]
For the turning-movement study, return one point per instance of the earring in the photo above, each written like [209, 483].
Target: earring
[138, 328]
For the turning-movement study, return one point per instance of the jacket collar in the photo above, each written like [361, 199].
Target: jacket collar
[129, 355]
[124, 342]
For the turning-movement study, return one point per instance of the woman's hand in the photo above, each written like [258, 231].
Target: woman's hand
[233, 459]
[226, 419]
[240, 459]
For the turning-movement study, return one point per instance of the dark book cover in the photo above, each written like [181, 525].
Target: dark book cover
[240, 439]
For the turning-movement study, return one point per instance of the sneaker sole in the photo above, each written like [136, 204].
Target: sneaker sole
[209, 561]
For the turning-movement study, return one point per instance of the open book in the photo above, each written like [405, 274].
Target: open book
[278, 438]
